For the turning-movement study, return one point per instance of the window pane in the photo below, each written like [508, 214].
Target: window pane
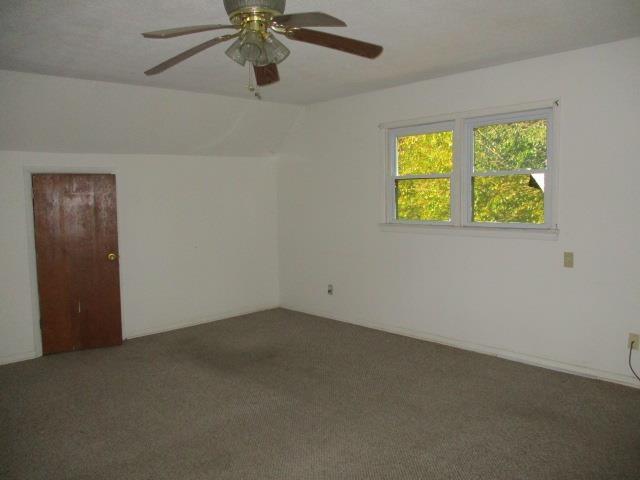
[510, 146]
[425, 199]
[508, 199]
[424, 154]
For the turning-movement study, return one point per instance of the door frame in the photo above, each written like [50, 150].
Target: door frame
[27, 171]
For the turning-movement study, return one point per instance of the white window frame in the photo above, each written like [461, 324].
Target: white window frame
[462, 172]
[393, 173]
[468, 173]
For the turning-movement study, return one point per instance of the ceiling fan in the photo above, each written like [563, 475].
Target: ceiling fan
[255, 22]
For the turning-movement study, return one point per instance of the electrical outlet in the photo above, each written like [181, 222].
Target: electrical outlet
[634, 341]
[568, 259]
[329, 289]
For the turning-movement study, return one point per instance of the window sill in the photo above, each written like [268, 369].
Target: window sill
[551, 234]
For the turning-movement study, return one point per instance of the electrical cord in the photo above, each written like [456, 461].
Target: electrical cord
[630, 365]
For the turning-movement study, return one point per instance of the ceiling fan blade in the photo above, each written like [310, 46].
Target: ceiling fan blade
[344, 44]
[189, 53]
[266, 75]
[309, 19]
[176, 32]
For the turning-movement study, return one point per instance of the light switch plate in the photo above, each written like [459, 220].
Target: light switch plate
[568, 259]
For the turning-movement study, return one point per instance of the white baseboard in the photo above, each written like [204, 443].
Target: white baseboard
[542, 362]
[198, 321]
[17, 357]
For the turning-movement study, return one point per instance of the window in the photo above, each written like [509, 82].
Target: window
[422, 177]
[492, 171]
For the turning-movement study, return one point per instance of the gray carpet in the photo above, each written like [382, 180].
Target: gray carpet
[282, 395]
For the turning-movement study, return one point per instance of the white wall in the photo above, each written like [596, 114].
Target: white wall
[509, 296]
[197, 240]
[197, 233]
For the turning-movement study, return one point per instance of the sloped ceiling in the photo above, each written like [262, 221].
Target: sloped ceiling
[100, 40]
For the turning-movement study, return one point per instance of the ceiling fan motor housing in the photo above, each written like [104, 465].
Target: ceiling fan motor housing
[233, 6]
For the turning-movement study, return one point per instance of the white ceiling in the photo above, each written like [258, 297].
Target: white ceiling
[100, 40]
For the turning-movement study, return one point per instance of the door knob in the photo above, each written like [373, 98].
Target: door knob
[112, 256]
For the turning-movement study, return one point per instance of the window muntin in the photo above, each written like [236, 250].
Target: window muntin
[501, 175]
[422, 171]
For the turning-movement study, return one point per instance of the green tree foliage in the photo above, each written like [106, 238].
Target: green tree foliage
[425, 154]
[501, 147]
[511, 146]
[424, 199]
[507, 199]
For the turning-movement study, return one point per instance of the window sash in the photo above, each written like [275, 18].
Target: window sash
[468, 172]
[393, 135]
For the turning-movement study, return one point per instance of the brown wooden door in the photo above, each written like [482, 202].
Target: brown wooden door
[78, 284]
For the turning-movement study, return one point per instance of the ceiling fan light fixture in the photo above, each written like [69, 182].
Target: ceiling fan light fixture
[275, 51]
[257, 49]
[252, 46]
[234, 53]
[248, 48]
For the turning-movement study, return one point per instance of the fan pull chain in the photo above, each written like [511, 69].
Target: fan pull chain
[254, 89]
